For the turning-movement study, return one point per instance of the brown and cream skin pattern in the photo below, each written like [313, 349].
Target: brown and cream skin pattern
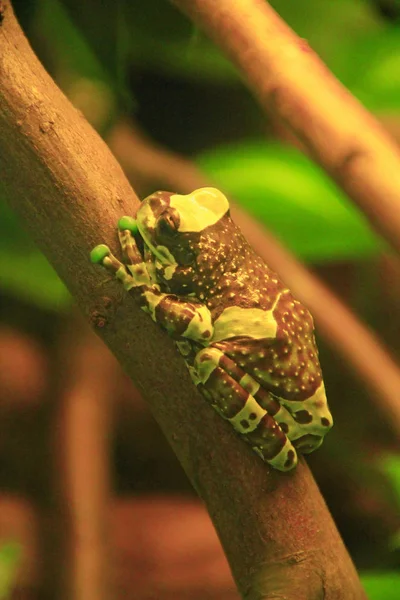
[247, 342]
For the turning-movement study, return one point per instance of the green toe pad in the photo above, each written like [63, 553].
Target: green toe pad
[99, 253]
[128, 223]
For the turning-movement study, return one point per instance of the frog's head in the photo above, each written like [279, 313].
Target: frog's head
[172, 224]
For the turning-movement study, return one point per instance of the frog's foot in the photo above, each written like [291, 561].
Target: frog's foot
[311, 420]
[305, 422]
[102, 255]
[305, 440]
[236, 404]
[139, 269]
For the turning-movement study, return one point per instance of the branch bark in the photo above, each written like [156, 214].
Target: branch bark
[69, 191]
[290, 81]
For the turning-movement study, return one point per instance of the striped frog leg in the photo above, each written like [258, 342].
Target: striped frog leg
[180, 317]
[240, 400]
[305, 436]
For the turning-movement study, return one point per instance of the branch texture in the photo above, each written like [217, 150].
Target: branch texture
[291, 82]
[69, 191]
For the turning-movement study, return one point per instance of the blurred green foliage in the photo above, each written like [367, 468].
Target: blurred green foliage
[382, 585]
[102, 42]
[288, 193]
[10, 554]
[390, 465]
[24, 271]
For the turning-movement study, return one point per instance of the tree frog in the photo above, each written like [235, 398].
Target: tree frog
[247, 342]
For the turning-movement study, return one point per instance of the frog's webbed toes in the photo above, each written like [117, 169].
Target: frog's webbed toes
[128, 224]
[102, 255]
[99, 253]
[307, 443]
[309, 421]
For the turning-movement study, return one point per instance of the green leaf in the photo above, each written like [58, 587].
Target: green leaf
[293, 197]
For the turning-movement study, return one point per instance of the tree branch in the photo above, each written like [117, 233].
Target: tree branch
[69, 191]
[82, 446]
[292, 82]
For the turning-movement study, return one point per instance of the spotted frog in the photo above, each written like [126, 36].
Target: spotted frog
[247, 342]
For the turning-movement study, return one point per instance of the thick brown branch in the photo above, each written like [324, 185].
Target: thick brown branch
[291, 81]
[69, 191]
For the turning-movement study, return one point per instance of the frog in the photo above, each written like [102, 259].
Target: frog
[247, 342]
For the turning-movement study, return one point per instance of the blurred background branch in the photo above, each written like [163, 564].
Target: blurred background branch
[284, 74]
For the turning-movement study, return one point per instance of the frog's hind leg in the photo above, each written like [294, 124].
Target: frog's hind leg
[220, 381]
[298, 419]
[313, 420]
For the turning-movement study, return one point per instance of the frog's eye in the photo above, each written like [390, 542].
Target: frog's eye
[167, 224]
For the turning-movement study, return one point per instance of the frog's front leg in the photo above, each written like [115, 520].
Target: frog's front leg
[232, 394]
[181, 317]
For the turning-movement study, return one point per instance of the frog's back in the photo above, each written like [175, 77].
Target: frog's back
[260, 324]
[232, 274]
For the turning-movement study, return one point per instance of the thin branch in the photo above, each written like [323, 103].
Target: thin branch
[292, 82]
[69, 191]
[360, 348]
[83, 451]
